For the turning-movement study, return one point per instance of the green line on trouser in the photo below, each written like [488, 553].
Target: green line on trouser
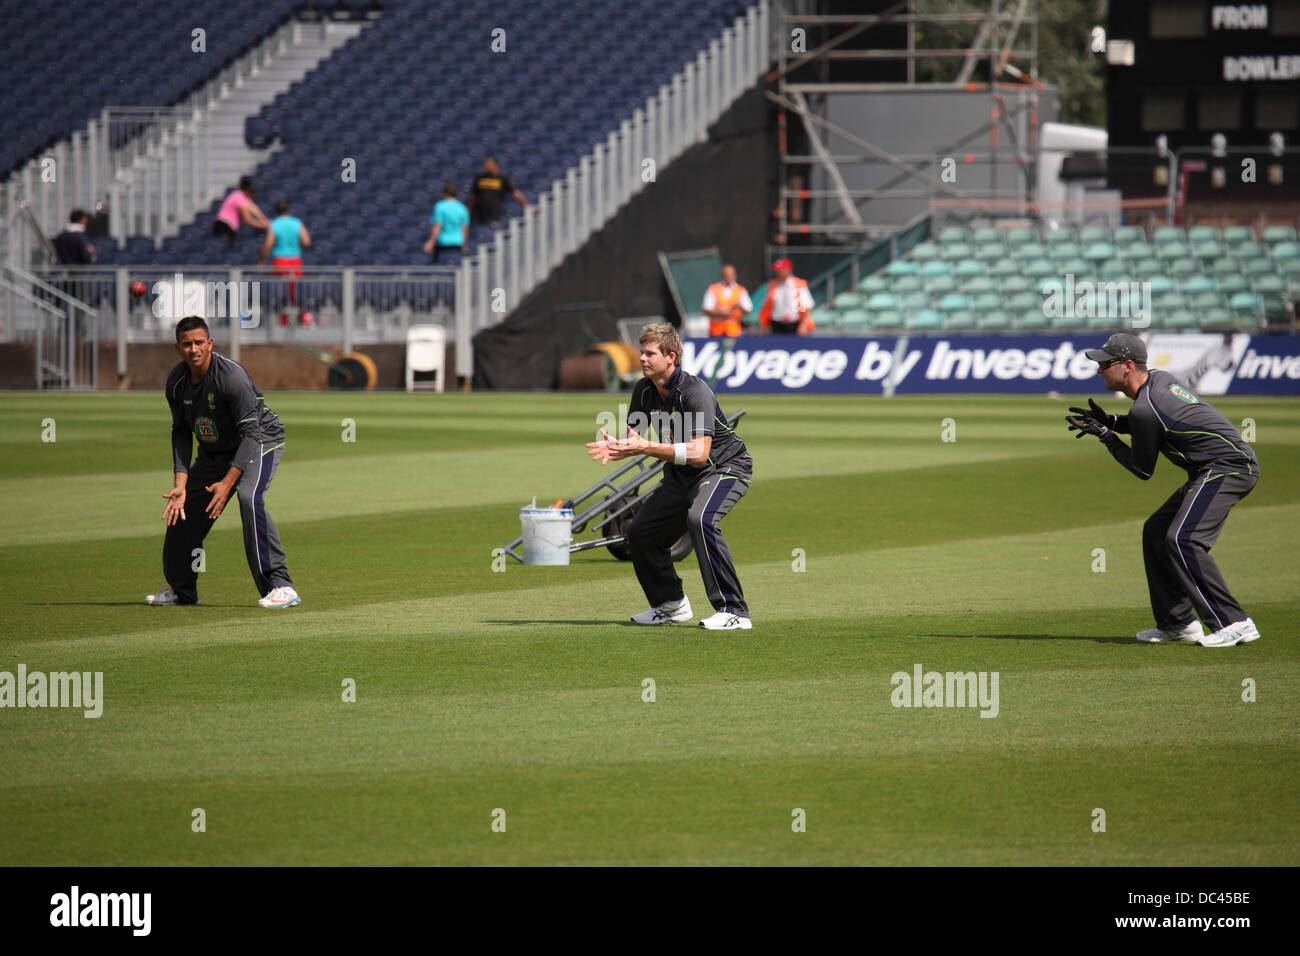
[269, 450]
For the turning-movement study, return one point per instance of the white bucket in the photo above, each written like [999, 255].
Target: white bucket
[548, 532]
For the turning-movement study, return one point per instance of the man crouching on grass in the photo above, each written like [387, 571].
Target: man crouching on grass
[240, 444]
[707, 470]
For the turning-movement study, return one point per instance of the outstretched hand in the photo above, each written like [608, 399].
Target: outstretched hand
[1096, 413]
[175, 507]
[609, 449]
[1086, 425]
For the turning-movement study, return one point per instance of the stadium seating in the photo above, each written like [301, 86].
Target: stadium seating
[1202, 277]
[417, 100]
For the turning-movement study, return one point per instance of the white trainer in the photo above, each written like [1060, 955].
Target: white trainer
[664, 613]
[1159, 635]
[281, 597]
[165, 596]
[726, 621]
[1241, 632]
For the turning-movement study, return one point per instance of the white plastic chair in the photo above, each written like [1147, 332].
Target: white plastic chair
[426, 351]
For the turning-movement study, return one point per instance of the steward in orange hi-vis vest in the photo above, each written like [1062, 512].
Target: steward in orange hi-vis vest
[789, 302]
[726, 303]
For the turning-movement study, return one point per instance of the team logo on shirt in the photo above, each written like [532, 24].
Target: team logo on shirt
[1184, 394]
[211, 400]
[205, 428]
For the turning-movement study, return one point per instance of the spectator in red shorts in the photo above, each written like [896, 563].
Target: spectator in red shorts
[286, 237]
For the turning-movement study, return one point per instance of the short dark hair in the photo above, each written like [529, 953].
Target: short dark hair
[189, 324]
[247, 185]
[77, 215]
[281, 207]
[449, 190]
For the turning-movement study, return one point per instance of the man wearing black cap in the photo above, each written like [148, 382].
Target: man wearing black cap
[1176, 540]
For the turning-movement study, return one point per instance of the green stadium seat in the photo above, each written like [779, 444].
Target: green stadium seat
[1160, 284]
[1024, 301]
[1215, 317]
[936, 267]
[1137, 251]
[902, 267]
[1037, 268]
[1005, 267]
[1060, 234]
[1203, 234]
[1183, 267]
[1273, 289]
[1108, 322]
[950, 234]
[1126, 235]
[992, 320]
[1049, 284]
[1289, 267]
[1114, 269]
[987, 302]
[954, 251]
[1148, 267]
[1246, 303]
[1079, 268]
[1250, 249]
[1020, 235]
[883, 302]
[1235, 235]
[1033, 319]
[1286, 250]
[1168, 301]
[872, 284]
[853, 319]
[1181, 320]
[901, 284]
[1064, 250]
[1224, 267]
[1173, 249]
[1276, 234]
[915, 302]
[1029, 250]
[1164, 234]
[960, 321]
[983, 234]
[955, 302]
[924, 319]
[1208, 250]
[1100, 252]
[925, 251]
[1257, 267]
[1204, 300]
[1016, 283]
[825, 318]
[977, 284]
[1094, 234]
[1199, 283]
[849, 300]
[971, 267]
[888, 319]
[989, 252]
[939, 285]
[1236, 282]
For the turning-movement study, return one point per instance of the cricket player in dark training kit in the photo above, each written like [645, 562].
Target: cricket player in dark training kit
[1221, 467]
[241, 441]
[707, 470]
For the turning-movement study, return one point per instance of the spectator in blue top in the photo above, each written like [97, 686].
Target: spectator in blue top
[449, 221]
[286, 237]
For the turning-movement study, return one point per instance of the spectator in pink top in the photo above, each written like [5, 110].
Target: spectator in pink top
[239, 207]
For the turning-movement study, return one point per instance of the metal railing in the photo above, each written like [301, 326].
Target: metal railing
[63, 329]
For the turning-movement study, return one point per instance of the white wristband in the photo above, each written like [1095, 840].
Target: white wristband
[679, 453]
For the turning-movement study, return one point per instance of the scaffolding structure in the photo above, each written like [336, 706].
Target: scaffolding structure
[804, 83]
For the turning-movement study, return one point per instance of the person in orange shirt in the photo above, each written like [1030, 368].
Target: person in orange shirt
[726, 303]
[789, 302]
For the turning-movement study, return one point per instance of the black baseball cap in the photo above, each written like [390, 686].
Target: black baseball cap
[1121, 345]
